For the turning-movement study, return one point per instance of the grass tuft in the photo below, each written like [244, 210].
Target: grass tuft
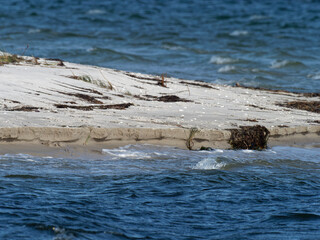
[10, 59]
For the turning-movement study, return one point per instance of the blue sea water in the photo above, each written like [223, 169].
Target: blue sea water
[150, 192]
[273, 44]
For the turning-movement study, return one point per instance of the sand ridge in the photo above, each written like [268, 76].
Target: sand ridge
[54, 102]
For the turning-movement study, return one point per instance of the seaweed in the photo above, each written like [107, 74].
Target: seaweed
[26, 109]
[171, 98]
[249, 137]
[198, 84]
[91, 107]
[278, 91]
[311, 106]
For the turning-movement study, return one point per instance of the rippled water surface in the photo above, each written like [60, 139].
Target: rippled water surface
[150, 192]
[273, 44]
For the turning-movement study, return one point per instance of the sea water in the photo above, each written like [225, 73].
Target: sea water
[150, 192]
[272, 44]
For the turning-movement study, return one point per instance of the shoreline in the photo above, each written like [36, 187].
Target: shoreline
[76, 142]
[55, 104]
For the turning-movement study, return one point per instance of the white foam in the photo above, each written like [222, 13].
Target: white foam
[174, 48]
[279, 64]
[34, 30]
[226, 69]
[239, 33]
[209, 164]
[315, 76]
[222, 60]
[126, 153]
[96, 12]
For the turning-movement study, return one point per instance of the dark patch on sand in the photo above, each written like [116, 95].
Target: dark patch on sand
[285, 92]
[82, 96]
[199, 85]
[167, 98]
[171, 98]
[26, 109]
[249, 137]
[60, 62]
[311, 106]
[91, 107]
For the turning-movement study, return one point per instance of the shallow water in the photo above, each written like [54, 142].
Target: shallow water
[150, 192]
[273, 44]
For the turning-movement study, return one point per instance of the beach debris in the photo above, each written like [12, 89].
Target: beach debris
[60, 62]
[285, 92]
[189, 142]
[311, 106]
[251, 120]
[171, 98]
[84, 97]
[25, 109]
[162, 82]
[198, 84]
[206, 149]
[91, 107]
[249, 137]
[6, 58]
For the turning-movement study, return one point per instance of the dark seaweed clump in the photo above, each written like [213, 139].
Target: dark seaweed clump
[249, 137]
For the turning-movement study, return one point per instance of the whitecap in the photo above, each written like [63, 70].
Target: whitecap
[209, 164]
[96, 12]
[226, 69]
[126, 153]
[285, 63]
[279, 64]
[171, 47]
[315, 76]
[34, 30]
[222, 60]
[239, 33]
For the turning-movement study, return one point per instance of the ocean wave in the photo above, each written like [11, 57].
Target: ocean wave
[96, 12]
[238, 33]
[34, 30]
[315, 76]
[257, 17]
[172, 47]
[209, 164]
[286, 63]
[222, 60]
[226, 69]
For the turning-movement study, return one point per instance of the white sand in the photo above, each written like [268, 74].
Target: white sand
[211, 110]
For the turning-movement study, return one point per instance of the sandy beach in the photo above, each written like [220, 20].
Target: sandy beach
[60, 105]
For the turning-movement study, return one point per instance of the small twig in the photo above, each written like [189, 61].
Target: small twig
[190, 142]
[25, 50]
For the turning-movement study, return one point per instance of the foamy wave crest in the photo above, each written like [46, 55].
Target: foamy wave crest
[222, 60]
[315, 76]
[238, 33]
[257, 17]
[34, 30]
[209, 164]
[126, 153]
[137, 152]
[226, 69]
[172, 47]
[285, 63]
[96, 12]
